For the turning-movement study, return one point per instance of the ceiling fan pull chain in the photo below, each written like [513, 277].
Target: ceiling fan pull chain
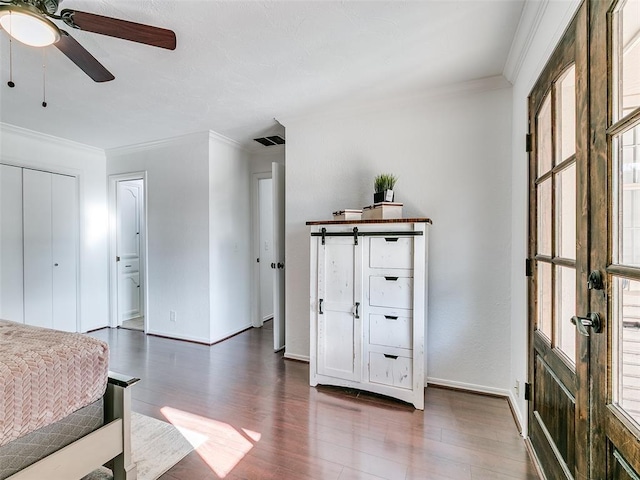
[10, 82]
[44, 77]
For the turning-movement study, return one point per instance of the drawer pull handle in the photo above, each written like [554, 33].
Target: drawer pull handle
[394, 357]
[391, 317]
[391, 239]
[127, 266]
[391, 279]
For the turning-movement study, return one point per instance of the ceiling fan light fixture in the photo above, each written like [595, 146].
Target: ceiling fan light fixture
[28, 27]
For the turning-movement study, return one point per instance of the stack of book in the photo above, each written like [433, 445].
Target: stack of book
[382, 210]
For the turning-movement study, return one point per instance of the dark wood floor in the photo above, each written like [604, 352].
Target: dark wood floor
[259, 419]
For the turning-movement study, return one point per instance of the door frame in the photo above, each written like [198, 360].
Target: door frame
[256, 317]
[113, 268]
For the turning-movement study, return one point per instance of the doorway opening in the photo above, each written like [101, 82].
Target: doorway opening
[128, 251]
[268, 239]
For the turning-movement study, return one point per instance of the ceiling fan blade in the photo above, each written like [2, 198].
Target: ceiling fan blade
[82, 58]
[113, 27]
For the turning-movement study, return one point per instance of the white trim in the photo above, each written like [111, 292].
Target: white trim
[409, 99]
[112, 181]
[177, 140]
[255, 247]
[231, 333]
[472, 387]
[530, 19]
[63, 142]
[230, 141]
[515, 408]
[179, 336]
[293, 356]
[154, 144]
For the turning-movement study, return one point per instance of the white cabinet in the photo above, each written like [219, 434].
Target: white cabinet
[368, 306]
[38, 248]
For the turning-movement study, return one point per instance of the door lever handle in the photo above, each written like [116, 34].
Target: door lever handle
[357, 315]
[591, 320]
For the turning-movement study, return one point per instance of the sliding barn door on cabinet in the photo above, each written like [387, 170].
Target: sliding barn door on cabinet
[339, 289]
[50, 250]
[11, 304]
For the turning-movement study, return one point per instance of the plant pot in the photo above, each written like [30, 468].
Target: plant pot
[386, 196]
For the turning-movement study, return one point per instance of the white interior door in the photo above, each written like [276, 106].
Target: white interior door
[50, 250]
[64, 215]
[266, 252]
[38, 254]
[277, 175]
[128, 244]
[11, 293]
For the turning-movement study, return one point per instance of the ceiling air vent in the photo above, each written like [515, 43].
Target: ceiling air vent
[268, 141]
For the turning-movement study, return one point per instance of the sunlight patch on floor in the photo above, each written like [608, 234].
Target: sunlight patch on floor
[219, 444]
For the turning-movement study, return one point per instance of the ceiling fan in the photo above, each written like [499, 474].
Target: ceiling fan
[28, 21]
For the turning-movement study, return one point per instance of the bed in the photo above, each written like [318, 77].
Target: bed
[62, 413]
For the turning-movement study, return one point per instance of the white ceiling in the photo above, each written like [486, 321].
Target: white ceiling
[240, 64]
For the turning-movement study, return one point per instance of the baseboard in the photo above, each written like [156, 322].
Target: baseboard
[472, 387]
[299, 358]
[230, 334]
[495, 392]
[517, 414]
[177, 336]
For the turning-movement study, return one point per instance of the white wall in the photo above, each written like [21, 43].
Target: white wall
[177, 198]
[26, 148]
[262, 157]
[198, 233]
[540, 30]
[452, 157]
[229, 238]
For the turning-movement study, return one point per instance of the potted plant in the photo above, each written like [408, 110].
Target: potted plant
[383, 187]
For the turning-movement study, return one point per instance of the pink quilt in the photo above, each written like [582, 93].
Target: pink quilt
[45, 375]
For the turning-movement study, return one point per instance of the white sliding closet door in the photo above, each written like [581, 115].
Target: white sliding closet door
[50, 220]
[38, 265]
[64, 218]
[11, 305]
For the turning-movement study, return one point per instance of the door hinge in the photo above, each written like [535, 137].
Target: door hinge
[527, 391]
[528, 267]
[527, 142]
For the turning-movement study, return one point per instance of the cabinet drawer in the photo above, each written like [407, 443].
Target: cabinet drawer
[390, 330]
[393, 370]
[391, 291]
[391, 252]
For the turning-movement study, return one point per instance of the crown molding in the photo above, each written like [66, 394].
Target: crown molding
[530, 19]
[155, 144]
[6, 128]
[229, 141]
[172, 141]
[413, 98]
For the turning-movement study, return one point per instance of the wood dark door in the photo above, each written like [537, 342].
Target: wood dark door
[614, 233]
[558, 357]
[584, 413]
